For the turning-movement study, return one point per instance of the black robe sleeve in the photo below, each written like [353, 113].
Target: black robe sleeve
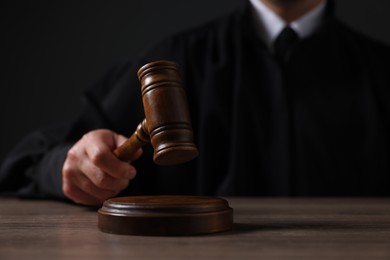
[33, 168]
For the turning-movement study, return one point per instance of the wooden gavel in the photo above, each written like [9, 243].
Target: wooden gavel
[167, 124]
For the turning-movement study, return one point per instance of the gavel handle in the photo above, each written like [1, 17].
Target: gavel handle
[138, 139]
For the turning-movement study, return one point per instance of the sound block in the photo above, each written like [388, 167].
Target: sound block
[165, 215]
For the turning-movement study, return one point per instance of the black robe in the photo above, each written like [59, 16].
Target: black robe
[318, 127]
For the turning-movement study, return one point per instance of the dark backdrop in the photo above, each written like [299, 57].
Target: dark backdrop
[52, 50]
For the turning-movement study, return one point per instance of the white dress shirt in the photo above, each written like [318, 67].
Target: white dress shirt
[269, 24]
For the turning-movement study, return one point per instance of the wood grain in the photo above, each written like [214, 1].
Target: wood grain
[264, 229]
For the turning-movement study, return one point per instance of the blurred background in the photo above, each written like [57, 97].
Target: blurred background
[51, 51]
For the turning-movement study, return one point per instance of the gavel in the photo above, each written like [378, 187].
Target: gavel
[167, 127]
[167, 124]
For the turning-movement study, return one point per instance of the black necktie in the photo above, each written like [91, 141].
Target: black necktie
[284, 43]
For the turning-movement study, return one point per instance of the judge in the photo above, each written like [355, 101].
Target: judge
[285, 100]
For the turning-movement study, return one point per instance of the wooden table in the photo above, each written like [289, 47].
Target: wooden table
[264, 229]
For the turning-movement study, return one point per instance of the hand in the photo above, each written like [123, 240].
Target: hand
[92, 173]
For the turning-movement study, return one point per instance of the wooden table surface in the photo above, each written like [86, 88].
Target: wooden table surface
[264, 229]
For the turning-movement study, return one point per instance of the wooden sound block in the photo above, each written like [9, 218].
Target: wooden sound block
[165, 215]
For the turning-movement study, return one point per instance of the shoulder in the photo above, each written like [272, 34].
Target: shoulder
[198, 41]
[360, 42]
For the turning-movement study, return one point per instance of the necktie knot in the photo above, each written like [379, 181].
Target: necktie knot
[284, 43]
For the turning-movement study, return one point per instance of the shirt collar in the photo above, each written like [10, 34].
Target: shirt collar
[269, 24]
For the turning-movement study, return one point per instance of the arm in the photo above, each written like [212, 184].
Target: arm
[34, 168]
[28, 169]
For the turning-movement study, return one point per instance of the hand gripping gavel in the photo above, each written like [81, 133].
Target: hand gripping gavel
[167, 124]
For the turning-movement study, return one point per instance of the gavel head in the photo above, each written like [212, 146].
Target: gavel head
[167, 119]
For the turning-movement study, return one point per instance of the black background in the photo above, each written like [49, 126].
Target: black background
[53, 50]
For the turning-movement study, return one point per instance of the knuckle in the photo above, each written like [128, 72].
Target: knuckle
[67, 171]
[87, 136]
[109, 186]
[72, 154]
[91, 136]
[88, 187]
[102, 180]
[97, 156]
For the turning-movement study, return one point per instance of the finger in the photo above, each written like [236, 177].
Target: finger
[101, 179]
[78, 196]
[103, 157]
[86, 185]
[74, 179]
[73, 192]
